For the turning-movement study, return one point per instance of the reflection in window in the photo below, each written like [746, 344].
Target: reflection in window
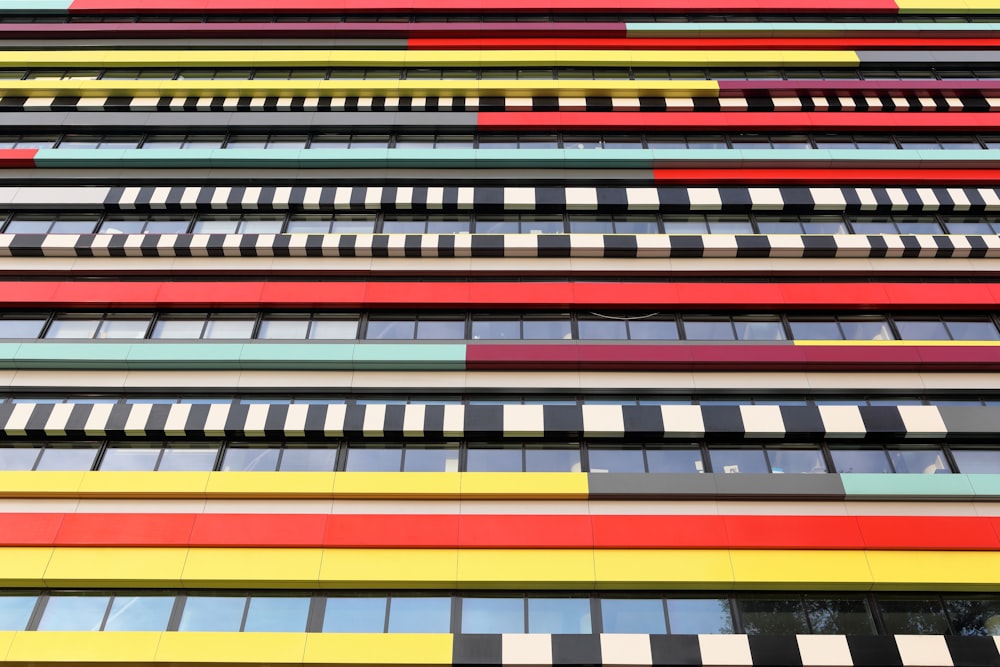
[737, 460]
[975, 460]
[616, 460]
[675, 460]
[345, 614]
[973, 615]
[212, 614]
[146, 613]
[911, 615]
[566, 616]
[773, 614]
[15, 610]
[277, 614]
[74, 612]
[920, 461]
[492, 615]
[423, 614]
[860, 460]
[694, 616]
[848, 615]
[633, 615]
[796, 460]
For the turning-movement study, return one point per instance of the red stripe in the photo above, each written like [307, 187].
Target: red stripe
[462, 6]
[732, 357]
[472, 531]
[11, 158]
[858, 176]
[498, 295]
[751, 43]
[744, 120]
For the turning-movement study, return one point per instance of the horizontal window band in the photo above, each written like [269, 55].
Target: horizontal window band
[500, 486]
[481, 531]
[930, 300]
[545, 569]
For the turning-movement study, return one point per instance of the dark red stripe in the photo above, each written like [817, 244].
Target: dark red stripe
[858, 176]
[751, 43]
[11, 158]
[473, 531]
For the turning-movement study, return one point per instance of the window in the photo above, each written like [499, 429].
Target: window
[565, 616]
[490, 615]
[633, 615]
[355, 614]
[694, 616]
[423, 614]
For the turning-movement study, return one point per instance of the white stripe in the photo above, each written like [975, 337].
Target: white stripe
[17, 423]
[97, 420]
[215, 422]
[176, 421]
[56, 423]
[334, 424]
[138, 417]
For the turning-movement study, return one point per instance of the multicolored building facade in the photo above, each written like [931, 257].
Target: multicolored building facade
[564, 332]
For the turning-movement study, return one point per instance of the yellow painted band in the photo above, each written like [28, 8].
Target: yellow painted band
[948, 6]
[216, 648]
[420, 58]
[571, 569]
[901, 343]
[361, 87]
[469, 485]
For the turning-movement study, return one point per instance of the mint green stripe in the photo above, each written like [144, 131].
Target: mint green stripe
[34, 6]
[985, 485]
[832, 29]
[877, 485]
[203, 355]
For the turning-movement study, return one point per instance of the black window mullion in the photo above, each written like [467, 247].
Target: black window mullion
[317, 611]
[36, 614]
[175, 614]
[246, 610]
[107, 612]
[388, 606]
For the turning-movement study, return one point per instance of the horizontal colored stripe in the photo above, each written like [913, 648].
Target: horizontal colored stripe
[557, 356]
[549, 569]
[408, 6]
[363, 87]
[692, 121]
[484, 531]
[396, 58]
[706, 43]
[805, 175]
[501, 295]
[893, 162]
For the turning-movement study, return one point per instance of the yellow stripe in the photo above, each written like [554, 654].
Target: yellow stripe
[948, 6]
[343, 88]
[236, 648]
[901, 343]
[404, 58]
[579, 569]
[471, 485]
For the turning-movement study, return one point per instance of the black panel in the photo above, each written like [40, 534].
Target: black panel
[675, 650]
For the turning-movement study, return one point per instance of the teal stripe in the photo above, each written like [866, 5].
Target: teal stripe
[790, 29]
[916, 486]
[489, 159]
[35, 6]
[202, 355]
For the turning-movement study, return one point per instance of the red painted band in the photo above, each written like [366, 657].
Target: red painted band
[462, 6]
[751, 43]
[517, 296]
[858, 176]
[744, 356]
[739, 120]
[14, 158]
[470, 531]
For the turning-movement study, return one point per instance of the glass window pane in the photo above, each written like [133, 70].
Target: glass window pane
[420, 614]
[391, 329]
[250, 459]
[860, 460]
[653, 330]
[737, 460]
[228, 329]
[922, 330]
[212, 614]
[441, 330]
[64, 458]
[815, 330]
[15, 610]
[747, 329]
[866, 329]
[603, 330]
[974, 615]
[551, 460]
[334, 330]
[308, 459]
[374, 459]
[966, 329]
[21, 328]
[430, 459]
[839, 616]
[74, 612]
[909, 615]
[773, 615]
[354, 615]
[633, 616]
[492, 615]
[129, 458]
[186, 329]
[284, 329]
[710, 616]
[674, 460]
[969, 460]
[796, 460]
[616, 460]
[277, 614]
[547, 330]
[496, 330]
[187, 459]
[920, 461]
[73, 328]
[497, 460]
[708, 329]
[565, 616]
[18, 458]
[146, 613]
